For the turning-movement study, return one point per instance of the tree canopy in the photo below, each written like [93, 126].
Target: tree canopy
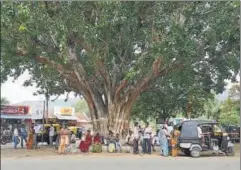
[111, 52]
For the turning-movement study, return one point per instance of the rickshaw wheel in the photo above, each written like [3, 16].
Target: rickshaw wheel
[230, 151]
[195, 152]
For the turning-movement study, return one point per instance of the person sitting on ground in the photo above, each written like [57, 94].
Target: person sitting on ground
[130, 141]
[118, 144]
[111, 143]
[130, 138]
[86, 142]
[97, 146]
[200, 135]
[97, 138]
[72, 146]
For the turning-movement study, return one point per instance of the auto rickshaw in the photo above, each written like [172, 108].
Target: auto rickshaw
[233, 132]
[46, 133]
[74, 129]
[213, 138]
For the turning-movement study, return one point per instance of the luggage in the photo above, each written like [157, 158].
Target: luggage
[111, 148]
[97, 148]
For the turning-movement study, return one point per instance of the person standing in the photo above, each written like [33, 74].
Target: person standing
[136, 138]
[38, 129]
[30, 141]
[147, 139]
[23, 135]
[64, 140]
[51, 135]
[15, 137]
[162, 136]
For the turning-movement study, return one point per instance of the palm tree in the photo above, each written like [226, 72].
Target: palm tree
[212, 109]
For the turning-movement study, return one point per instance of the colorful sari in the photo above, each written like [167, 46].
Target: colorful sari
[97, 139]
[84, 145]
[174, 141]
[30, 140]
[64, 141]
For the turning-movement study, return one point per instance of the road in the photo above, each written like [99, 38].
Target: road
[119, 163]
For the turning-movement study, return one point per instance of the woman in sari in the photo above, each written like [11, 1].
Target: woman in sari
[30, 138]
[85, 144]
[174, 140]
[64, 140]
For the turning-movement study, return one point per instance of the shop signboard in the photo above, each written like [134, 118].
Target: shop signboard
[36, 112]
[64, 111]
[16, 110]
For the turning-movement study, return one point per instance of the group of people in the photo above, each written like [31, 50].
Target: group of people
[166, 137]
[21, 135]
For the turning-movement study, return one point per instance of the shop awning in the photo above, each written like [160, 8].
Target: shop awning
[83, 121]
[66, 117]
[7, 116]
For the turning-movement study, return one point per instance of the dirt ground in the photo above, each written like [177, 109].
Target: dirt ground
[45, 152]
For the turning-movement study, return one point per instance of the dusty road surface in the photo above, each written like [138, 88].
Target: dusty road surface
[93, 162]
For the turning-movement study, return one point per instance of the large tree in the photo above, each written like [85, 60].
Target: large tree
[110, 52]
[170, 96]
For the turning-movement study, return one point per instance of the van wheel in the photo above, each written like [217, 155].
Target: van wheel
[195, 152]
[230, 151]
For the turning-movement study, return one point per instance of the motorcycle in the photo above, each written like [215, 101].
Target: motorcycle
[7, 139]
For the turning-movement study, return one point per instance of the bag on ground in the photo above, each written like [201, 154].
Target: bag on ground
[111, 148]
[97, 148]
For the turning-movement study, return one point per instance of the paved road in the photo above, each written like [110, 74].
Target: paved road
[120, 163]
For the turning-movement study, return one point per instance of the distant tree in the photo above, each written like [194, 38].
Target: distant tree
[234, 91]
[82, 106]
[4, 101]
[230, 112]
[212, 109]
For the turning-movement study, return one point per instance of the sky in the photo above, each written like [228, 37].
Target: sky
[15, 92]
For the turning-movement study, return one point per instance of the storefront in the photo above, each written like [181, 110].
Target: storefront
[65, 115]
[15, 115]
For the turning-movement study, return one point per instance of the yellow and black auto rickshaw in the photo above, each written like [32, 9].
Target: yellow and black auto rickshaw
[45, 133]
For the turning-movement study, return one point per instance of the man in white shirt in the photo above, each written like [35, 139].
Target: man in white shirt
[15, 137]
[146, 148]
[51, 135]
[136, 138]
[38, 128]
[200, 135]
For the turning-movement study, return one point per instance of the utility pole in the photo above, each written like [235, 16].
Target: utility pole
[47, 106]
[42, 139]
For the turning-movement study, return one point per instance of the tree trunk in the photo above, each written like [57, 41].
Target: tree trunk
[113, 113]
[116, 119]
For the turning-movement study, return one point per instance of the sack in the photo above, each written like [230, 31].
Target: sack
[111, 148]
[97, 148]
